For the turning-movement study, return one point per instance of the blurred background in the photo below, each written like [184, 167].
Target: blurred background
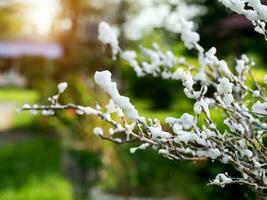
[45, 42]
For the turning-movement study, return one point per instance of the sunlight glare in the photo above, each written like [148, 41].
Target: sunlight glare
[40, 14]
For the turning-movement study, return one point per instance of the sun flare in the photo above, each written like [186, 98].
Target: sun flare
[41, 14]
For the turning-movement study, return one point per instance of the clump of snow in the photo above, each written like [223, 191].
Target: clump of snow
[130, 57]
[108, 36]
[98, 131]
[202, 106]
[141, 147]
[260, 27]
[260, 108]
[186, 137]
[62, 87]
[177, 75]
[158, 133]
[163, 151]
[188, 81]
[187, 121]
[48, 112]
[225, 89]
[87, 110]
[247, 153]
[197, 108]
[118, 140]
[188, 35]
[222, 179]
[212, 153]
[103, 79]
[33, 111]
[225, 86]
[228, 99]
[177, 128]
[234, 127]
[26, 106]
[256, 93]
[224, 68]
[257, 164]
[113, 108]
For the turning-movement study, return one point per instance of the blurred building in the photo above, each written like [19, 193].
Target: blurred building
[14, 49]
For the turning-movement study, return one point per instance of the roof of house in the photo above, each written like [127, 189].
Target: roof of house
[14, 49]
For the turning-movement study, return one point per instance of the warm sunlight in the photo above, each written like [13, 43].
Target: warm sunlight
[40, 15]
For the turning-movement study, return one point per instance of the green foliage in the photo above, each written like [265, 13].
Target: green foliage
[162, 93]
[178, 106]
[145, 173]
[11, 22]
[85, 159]
[31, 170]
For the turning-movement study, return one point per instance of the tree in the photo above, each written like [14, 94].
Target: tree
[212, 85]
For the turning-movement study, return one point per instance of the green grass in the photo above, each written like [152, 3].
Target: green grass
[18, 95]
[31, 170]
[22, 120]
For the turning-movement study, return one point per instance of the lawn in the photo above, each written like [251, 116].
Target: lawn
[31, 170]
[18, 97]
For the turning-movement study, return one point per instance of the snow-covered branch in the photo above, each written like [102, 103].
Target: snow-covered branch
[253, 10]
[151, 14]
[243, 105]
